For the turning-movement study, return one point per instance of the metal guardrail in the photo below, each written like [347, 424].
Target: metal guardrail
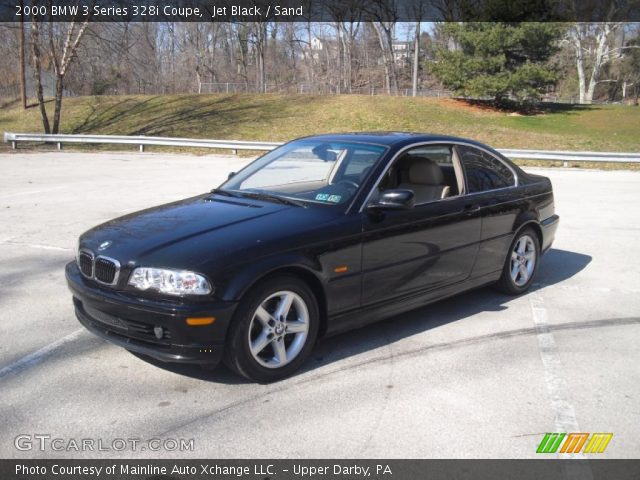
[139, 140]
[566, 156]
[235, 145]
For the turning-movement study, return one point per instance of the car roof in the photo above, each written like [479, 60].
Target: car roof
[389, 138]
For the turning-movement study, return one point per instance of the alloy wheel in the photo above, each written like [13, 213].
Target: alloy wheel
[523, 260]
[279, 329]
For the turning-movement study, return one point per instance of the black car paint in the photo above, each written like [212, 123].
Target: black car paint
[396, 261]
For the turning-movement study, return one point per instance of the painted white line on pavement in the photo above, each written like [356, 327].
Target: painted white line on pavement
[39, 355]
[564, 413]
[581, 288]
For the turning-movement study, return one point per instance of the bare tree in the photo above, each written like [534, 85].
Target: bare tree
[419, 9]
[260, 45]
[385, 16]
[384, 30]
[630, 68]
[23, 80]
[416, 60]
[242, 34]
[595, 45]
[61, 60]
[63, 42]
[122, 58]
[37, 69]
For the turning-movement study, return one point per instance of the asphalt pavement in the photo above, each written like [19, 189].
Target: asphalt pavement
[476, 376]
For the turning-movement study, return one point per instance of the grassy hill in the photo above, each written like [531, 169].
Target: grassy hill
[283, 117]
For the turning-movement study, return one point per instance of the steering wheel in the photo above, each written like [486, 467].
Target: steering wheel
[348, 182]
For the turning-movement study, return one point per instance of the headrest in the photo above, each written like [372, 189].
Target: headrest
[323, 152]
[424, 171]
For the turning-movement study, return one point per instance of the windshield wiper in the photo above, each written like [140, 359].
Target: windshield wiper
[273, 198]
[226, 193]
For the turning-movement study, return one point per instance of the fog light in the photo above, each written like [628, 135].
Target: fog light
[194, 321]
[158, 331]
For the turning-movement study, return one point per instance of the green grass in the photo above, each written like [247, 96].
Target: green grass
[283, 117]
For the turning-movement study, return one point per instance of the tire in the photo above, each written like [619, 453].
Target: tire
[521, 264]
[282, 338]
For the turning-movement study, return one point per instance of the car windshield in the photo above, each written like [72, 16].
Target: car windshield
[314, 171]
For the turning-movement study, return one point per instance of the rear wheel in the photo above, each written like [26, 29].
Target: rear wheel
[274, 330]
[521, 264]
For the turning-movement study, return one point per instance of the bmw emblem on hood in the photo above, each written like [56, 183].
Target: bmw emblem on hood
[104, 245]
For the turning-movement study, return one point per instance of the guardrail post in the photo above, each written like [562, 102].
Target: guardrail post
[234, 152]
[141, 148]
[59, 146]
[13, 144]
[565, 164]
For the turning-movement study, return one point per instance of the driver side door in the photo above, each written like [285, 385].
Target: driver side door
[406, 253]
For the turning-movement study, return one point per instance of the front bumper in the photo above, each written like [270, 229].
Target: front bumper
[133, 322]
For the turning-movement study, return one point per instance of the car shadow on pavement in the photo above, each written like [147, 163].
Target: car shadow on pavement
[556, 266]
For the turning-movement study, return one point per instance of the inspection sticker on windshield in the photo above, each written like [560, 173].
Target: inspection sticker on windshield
[325, 197]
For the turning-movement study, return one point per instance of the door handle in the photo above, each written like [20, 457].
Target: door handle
[471, 209]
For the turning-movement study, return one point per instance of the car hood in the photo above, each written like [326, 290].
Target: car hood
[199, 231]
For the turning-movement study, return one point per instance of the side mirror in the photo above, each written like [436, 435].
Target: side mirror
[399, 199]
[231, 175]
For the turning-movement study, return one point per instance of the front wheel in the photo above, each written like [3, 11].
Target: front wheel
[521, 264]
[274, 330]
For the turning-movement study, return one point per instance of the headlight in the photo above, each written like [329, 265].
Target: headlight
[171, 282]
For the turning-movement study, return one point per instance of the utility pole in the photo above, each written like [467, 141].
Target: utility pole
[23, 82]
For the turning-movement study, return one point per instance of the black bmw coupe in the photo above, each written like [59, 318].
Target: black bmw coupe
[321, 235]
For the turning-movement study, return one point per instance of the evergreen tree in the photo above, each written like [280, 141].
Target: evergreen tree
[498, 60]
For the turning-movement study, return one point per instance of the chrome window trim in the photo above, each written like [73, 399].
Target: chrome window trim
[452, 143]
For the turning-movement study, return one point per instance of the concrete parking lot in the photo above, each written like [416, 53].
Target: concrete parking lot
[479, 375]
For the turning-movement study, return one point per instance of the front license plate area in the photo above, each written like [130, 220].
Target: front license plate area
[106, 318]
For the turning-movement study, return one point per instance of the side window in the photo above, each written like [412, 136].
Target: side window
[428, 171]
[360, 162]
[484, 171]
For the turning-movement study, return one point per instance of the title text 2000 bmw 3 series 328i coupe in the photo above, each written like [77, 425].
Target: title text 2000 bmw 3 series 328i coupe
[321, 235]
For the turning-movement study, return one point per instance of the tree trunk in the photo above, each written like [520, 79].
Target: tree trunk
[599, 57]
[261, 46]
[348, 66]
[61, 64]
[340, 55]
[35, 39]
[392, 60]
[577, 42]
[310, 65]
[416, 59]
[23, 80]
[242, 44]
[387, 71]
[598, 62]
[58, 104]
[385, 36]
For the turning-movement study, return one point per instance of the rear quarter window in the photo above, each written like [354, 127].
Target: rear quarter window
[484, 171]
